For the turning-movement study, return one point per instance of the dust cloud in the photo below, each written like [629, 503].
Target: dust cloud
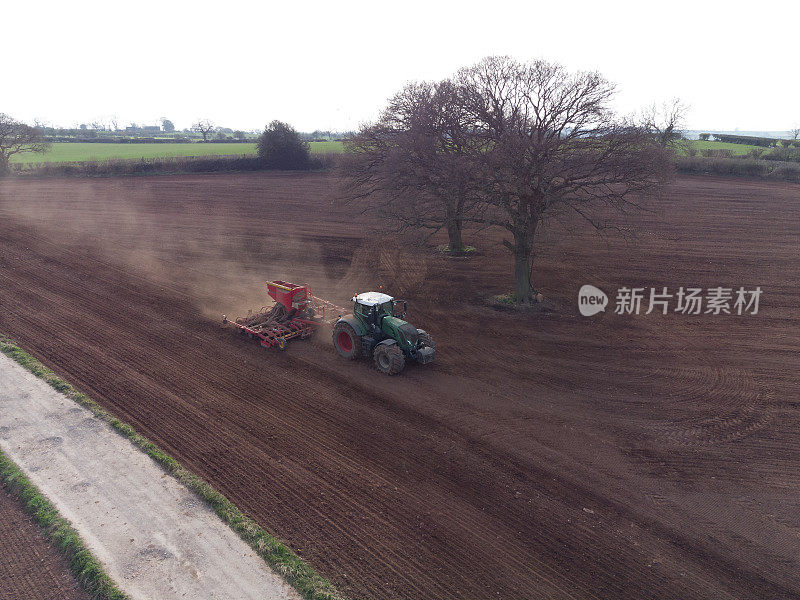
[205, 242]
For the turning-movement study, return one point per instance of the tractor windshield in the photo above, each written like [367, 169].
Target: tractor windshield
[386, 308]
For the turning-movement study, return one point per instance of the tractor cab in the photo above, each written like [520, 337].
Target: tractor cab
[371, 307]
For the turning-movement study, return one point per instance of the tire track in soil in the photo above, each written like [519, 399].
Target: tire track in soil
[127, 361]
[126, 364]
[384, 496]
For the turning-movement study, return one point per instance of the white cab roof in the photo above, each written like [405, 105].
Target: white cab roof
[372, 298]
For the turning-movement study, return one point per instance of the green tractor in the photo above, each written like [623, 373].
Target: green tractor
[375, 329]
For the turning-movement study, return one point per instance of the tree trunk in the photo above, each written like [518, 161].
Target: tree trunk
[522, 276]
[5, 168]
[523, 249]
[456, 244]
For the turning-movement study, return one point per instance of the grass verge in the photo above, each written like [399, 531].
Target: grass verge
[84, 566]
[282, 560]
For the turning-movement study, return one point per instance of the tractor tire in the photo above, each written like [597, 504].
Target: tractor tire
[426, 338]
[346, 341]
[389, 359]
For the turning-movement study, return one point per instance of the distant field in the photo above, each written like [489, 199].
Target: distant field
[334, 147]
[67, 152]
[735, 148]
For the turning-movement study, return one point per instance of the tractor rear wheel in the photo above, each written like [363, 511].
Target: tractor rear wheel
[389, 359]
[346, 341]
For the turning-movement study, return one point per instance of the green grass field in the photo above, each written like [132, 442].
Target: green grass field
[67, 152]
[332, 147]
[735, 148]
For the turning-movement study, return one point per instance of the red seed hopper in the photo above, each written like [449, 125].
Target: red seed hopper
[295, 314]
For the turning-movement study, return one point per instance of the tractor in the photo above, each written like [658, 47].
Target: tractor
[376, 329]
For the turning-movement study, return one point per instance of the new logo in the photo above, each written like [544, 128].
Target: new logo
[591, 300]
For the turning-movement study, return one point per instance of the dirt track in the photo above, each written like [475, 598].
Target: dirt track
[29, 566]
[155, 539]
[543, 455]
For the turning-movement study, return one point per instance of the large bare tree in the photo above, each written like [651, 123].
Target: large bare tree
[412, 165]
[204, 127]
[511, 145]
[17, 137]
[549, 144]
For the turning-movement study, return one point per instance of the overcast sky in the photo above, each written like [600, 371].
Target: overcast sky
[332, 65]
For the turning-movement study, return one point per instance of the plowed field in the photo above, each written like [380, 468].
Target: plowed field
[29, 566]
[541, 455]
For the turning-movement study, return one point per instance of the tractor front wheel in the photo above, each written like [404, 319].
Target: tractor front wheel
[389, 359]
[426, 338]
[346, 341]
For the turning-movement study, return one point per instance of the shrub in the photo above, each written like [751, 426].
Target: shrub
[786, 172]
[717, 153]
[746, 139]
[705, 136]
[739, 167]
[281, 147]
[785, 154]
[324, 160]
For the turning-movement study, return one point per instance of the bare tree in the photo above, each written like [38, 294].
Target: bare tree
[550, 145]
[204, 127]
[666, 122]
[795, 133]
[510, 145]
[17, 137]
[411, 165]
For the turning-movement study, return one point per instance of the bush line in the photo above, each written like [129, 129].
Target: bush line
[167, 165]
[84, 566]
[739, 167]
[285, 562]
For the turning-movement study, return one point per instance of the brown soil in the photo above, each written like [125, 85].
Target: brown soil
[543, 454]
[29, 566]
